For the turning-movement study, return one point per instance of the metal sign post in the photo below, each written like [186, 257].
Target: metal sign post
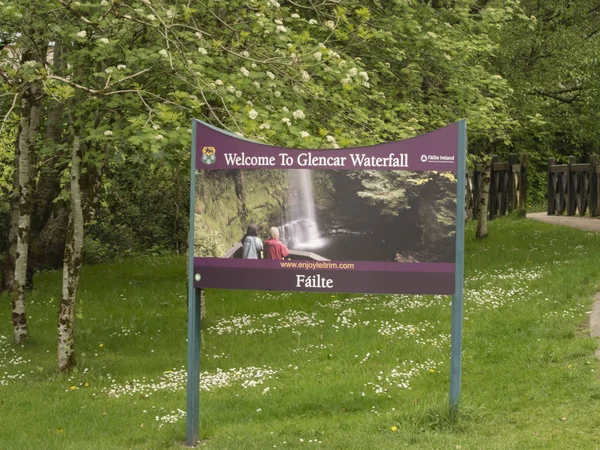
[193, 357]
[457, 298]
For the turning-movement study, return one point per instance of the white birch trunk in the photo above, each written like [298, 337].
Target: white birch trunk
[71, 267]
[8, 269]
[484, 198]
[31, 109]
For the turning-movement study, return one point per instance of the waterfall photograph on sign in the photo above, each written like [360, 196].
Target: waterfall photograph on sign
[325, 215]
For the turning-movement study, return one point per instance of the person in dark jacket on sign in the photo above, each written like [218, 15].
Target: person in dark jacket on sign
[251, 243]
[274, 248]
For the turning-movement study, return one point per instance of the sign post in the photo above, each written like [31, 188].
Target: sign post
[457, 298]
[297, 237]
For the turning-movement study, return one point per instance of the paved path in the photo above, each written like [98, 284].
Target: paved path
[584, 223]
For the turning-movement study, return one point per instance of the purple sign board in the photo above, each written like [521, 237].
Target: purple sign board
[377, 219]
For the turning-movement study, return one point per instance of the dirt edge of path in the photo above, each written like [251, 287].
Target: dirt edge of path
[595, 321]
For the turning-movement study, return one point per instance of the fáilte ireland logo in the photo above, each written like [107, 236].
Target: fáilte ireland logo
[208, 155]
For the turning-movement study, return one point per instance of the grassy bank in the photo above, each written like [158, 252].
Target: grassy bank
[319, 371]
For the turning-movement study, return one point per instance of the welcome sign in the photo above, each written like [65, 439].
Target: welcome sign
[377, 219]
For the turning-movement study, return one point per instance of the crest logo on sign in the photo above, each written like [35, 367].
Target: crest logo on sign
[209, 155]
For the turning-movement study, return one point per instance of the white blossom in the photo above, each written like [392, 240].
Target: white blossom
[285, 109]
[330, 138]
[81, 34]
[330, 24]
[295, 16]
[121, 67]
[146, 2]
[334, 54]
[304, 134]
[298, 114]
[109, 70]
[164, 52]
[249, 103]
[245, 54]
[103, 3]
[281, 29]
[274, 3]
[202, 51]
[287, 121]
[108, 133]
[219, 82]
[321, 45]
[278, 22]
[238, 94]
[257, 84]
[170, 14]
[271, 75]
[198, 34]
[252, 114]
[29, 63]
[244, 71]
[159, 137]
[231, 89]
[312, 22]
[103, 40]
[318, 56]
[365, 75]
[151, 17]
[265, 126]
[156, 126]
[277, 94]
[353, 72]
[345, 80]
[127, 16]
[305, 75]
[253, 65]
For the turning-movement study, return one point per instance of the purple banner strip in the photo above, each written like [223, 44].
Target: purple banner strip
[332, 281]
[435, 151]
[309, 266]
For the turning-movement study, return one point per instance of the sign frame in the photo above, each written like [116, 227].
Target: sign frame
[195, 294]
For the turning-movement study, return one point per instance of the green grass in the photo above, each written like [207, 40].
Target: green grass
[529, 380]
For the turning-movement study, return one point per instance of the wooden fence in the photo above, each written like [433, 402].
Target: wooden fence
[574, 188]
[508, 187]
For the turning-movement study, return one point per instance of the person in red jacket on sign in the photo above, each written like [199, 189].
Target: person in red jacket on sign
[274, 248]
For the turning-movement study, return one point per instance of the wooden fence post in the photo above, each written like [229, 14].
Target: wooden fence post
[493, 200]
[571, 194]
[511, 188]
[594, 186]
[551, 198]
[523, 186]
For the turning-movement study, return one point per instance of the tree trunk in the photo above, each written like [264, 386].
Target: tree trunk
[31, 108]
[72, 266]
[484, 196]
[46, 252]
[48, 247]
[8, 268]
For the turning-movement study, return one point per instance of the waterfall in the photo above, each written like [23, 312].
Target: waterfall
[301, 230]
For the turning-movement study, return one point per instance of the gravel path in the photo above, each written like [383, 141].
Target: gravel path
[584, 223]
